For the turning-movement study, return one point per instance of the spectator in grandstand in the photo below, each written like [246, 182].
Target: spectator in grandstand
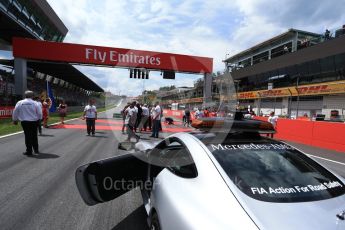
[39, 122]
[286, 49]
[273, 120]
[130, 121]
[28, 112]
[144, 118]
[156, 118]
[90, 114]
[304, 43]
[327, 34]
[62, 109]
[45, 111]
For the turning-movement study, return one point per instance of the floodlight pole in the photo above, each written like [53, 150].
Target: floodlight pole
[207, 89]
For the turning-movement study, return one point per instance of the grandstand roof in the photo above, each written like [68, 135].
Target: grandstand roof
[63, 71]
[288, 33]
[30, 19]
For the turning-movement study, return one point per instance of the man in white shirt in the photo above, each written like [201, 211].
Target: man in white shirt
[273, 120]
[156, 118]
[131, 118]
[90, 114]
[144, 117]
[124, 114]
[28, 112]
[197, 113]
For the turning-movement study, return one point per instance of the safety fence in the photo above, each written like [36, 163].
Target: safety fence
[329, 135]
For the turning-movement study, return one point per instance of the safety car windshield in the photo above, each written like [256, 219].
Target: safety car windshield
[275, 172]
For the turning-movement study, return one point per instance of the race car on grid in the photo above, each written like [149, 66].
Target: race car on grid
[218, 179]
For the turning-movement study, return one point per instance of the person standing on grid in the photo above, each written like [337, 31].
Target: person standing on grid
[273, 120]
[39, 122]
[156, 118]
[62, 109]
[90, 114]
[130, 121]
[124, 114]
[28, 112]
[144, 117]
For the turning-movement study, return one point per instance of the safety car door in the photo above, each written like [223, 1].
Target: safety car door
[107, 179]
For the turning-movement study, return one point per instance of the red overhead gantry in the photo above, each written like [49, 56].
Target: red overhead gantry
[29, 49]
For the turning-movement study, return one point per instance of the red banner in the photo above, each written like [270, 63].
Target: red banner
[6, 111]
[97, 55]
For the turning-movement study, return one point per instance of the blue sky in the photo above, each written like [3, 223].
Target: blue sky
[206, 28]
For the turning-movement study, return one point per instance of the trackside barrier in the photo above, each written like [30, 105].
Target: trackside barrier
[6, 111]
[173, 113]
[329, 135]
[177, 114]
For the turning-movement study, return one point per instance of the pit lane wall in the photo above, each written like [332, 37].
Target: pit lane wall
[329, 135]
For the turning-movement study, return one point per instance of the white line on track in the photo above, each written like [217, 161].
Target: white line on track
[11, 134]
[325, 159]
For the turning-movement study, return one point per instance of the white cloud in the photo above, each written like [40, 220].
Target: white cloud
[194, 27]
[262, 19]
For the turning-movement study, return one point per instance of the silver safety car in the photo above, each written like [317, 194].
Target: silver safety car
[211, 179]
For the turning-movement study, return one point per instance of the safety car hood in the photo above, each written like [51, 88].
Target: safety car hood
[302, 215]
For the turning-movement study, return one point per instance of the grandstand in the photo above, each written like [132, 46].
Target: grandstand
[296, 73]
[37, 20]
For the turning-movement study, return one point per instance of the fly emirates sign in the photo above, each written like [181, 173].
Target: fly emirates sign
[97, 55]
[114, 56]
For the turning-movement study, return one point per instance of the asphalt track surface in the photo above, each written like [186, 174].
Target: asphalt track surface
[40, 193]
